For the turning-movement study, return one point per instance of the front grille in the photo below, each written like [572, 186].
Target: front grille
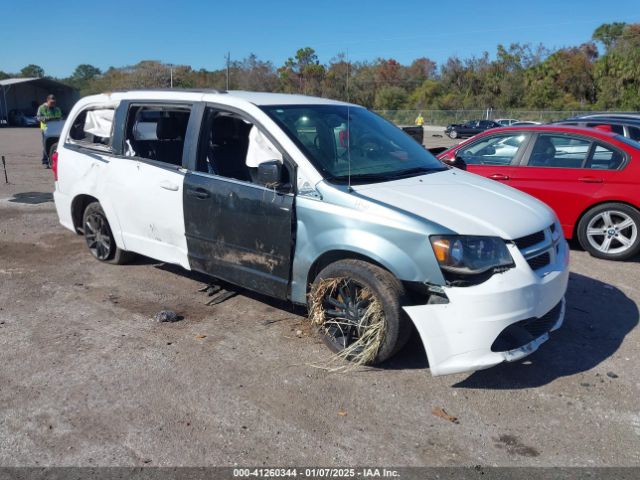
[520, 333]
[529, 240]
[540, 261]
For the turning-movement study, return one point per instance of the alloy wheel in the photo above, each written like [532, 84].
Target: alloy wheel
[98, 236]
[345, 309]
[612, 232]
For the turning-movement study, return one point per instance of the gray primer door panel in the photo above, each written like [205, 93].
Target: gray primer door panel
[239, 232]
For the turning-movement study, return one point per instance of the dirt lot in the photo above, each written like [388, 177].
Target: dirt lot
[88, 378]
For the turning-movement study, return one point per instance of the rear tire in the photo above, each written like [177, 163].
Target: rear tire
[379, 283]
[610, 231]
[99, 238]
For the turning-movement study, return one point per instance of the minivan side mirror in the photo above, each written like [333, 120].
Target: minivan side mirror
[269, 173]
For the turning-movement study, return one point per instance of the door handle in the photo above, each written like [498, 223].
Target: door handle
[200, 193]
[590, 180]
[169, 186]
[499, 176]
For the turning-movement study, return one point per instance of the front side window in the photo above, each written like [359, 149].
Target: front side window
[352, 143]
[93, 128]
[559, 151]
[156, 132]
[494, 150]
[232, 146]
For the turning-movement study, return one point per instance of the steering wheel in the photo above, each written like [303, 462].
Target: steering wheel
[369, 144]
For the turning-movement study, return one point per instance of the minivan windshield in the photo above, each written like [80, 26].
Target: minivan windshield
[348, 141]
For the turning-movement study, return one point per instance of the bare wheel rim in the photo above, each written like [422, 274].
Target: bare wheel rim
[612, 232]
[97, 236]
[344, 309]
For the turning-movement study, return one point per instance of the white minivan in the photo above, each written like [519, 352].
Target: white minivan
[321, 203]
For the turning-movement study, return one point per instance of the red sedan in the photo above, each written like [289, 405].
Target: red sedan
[590, 177]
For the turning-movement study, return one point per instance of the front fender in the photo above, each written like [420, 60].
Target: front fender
[397, 242]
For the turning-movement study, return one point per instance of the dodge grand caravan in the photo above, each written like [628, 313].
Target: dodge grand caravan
[281, 194]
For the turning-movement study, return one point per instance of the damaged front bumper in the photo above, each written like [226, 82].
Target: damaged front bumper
[503, 319]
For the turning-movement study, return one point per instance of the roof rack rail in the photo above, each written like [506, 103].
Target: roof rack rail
[165, 89]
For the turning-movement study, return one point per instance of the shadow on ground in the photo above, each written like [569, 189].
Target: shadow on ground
[32, 198]
[597, 320]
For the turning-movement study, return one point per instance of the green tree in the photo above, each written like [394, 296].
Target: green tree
[390, 97]
[617, 73]
[609, 33]
[85, 72]
[302, 74]
[32, 70]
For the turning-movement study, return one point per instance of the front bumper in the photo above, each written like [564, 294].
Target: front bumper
[458, 336]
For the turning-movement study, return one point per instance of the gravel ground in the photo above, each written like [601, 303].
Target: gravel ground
[89, 378]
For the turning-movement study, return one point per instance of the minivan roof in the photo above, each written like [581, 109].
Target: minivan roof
[256, 98]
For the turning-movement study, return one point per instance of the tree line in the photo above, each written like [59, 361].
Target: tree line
[603, 74]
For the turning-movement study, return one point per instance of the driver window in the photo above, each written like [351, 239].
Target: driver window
[494, 150]
[233, 147]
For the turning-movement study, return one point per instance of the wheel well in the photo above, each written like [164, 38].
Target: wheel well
[575, 226]
[78, 206]
[333, 256]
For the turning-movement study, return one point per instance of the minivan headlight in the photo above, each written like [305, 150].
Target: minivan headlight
[471, 255]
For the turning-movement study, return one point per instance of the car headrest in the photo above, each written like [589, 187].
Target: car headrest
[223, 129]
[544, 145]
[169, 128]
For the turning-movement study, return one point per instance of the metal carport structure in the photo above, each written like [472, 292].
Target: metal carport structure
[26, 94]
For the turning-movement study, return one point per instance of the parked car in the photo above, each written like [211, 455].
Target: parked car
[621, 115]
[627, 127]
[505, 122]
[591, 179]
[312, 200]
[20, 119]
[52, 136]
[525, 123]
[470, 128]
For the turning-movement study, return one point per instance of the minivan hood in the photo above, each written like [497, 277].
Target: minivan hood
[465, 203]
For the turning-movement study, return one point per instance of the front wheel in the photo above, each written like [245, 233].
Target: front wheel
[99, 238]
[453, 134]
[357, 308]
[610, 231]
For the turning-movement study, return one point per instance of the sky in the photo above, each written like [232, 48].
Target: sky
[62, 34]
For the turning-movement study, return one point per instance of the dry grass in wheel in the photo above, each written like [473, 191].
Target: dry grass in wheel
[370, 329]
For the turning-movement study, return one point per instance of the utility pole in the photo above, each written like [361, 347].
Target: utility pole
[228, 57]
[171, 74]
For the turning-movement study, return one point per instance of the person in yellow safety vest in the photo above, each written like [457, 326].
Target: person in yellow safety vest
[419, 120]
[46, 112]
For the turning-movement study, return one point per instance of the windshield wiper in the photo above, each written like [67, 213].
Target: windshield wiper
[384, 176]
[414, 171]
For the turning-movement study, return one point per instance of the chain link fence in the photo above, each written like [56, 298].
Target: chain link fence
[446, 117]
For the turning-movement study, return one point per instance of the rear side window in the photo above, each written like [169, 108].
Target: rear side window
[494, 150]
[92, 128]
[605, 158]
[157, 132]
[634, 133]
[561, 151]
